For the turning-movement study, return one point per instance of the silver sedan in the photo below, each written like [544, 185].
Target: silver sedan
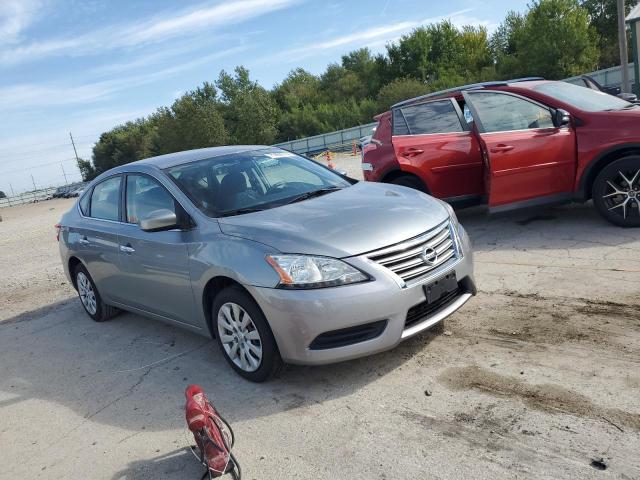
[278, 258]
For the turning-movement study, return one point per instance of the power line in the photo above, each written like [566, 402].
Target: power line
[38, 165]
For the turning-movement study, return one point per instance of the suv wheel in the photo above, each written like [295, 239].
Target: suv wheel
[244, 336]
[409, 181]
[616, 192]
[90, 297]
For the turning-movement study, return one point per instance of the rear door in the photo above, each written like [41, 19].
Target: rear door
[97, 238]
[530, 160]
[433, 141]
[154, 266]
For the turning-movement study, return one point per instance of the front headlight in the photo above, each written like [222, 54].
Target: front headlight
[305, 271]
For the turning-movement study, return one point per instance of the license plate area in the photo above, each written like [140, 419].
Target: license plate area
[434, 291]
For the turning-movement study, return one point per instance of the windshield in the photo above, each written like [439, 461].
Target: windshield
[581, 97]
[251, 181]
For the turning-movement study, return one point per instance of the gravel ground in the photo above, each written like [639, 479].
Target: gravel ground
[536, 377]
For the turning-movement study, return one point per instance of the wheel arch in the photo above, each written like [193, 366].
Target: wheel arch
[71, 265]
[397, 173]
[214, 286]
[595, 167]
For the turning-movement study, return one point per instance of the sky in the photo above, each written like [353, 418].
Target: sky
[84, 66]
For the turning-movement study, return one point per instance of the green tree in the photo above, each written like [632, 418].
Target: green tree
[555, 40]
[367, 68]
[339, 84]
[298, 89]
[86, 170]
[249, 111]
[2, 194]
[604, 19]
[398, 90]
[193, 121]
[124, 144]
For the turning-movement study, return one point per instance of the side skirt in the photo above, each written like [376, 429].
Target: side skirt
[549, 200]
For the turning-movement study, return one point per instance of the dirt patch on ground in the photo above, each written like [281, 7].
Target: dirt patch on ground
[544, 397]
[557, 320]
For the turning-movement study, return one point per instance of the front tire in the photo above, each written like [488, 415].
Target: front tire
[409, 181]
[90, 297]
[244, 336]
[616, 192]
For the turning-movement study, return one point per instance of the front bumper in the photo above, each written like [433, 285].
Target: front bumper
[297, 317]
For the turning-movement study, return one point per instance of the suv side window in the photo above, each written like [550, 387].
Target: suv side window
[431, 117]
[500, 112]
[105, 199]
[145, 195]
[399, 124]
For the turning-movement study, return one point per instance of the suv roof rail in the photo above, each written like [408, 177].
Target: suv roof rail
[471, 86]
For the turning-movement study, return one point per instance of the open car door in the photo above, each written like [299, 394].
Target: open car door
[530, 152]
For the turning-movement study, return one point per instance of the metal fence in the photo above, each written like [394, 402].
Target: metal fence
[608, 77]
[340, 140]
[27, 197]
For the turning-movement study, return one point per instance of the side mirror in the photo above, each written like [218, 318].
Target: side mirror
[341, 172]
[561, 117]
[158, 220]
[629, 97]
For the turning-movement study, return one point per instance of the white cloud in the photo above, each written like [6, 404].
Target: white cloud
[41, 96]
[373, 36]
[162, 27]
[15, 17]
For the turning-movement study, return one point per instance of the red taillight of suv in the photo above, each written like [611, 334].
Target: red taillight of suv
[57, 226]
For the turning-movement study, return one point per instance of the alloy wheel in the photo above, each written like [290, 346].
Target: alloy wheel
[622, 194]
[239, 337]
[87, 295]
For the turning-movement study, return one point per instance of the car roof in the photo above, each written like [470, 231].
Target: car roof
[187, 156]
[451, 92]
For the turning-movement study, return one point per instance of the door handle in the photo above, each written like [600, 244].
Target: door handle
[412, 152]
[127, 249]
[84, 241]
[501, 147]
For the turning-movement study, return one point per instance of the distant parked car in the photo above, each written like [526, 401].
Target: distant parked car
[514, 144]
[278, 257]
[591, 83]
[76, 193]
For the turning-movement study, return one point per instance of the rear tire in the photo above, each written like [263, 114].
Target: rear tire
[616, 192]
[244, 336]
[409, 181]
[90, 297]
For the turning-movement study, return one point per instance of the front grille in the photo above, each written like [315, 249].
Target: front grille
[425, 309]
[405, 258]
[348, 336]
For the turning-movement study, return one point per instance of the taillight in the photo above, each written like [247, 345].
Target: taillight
[57, 226]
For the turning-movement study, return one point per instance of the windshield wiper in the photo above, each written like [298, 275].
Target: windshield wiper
[240, 211]
[311, 194]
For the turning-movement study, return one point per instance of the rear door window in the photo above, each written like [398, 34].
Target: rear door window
[105, 199]
[427, 118]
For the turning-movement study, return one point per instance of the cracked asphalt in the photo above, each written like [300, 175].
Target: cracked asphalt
[536, 377]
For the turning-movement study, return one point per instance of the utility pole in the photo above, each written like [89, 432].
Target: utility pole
[74, 147]
[63, 173]
[34, 183]
[622, 40]
[13, 194]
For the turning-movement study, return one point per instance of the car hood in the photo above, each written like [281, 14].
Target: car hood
[351, 221]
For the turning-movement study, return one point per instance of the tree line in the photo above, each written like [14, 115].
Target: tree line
[552, 38]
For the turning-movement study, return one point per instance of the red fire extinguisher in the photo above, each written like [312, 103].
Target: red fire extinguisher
[214, 436]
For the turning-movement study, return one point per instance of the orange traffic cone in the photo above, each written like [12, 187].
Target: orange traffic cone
[329, 160]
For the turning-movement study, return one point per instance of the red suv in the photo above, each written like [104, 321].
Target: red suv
[513, 144]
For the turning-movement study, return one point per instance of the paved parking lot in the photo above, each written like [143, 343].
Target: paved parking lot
[536, 377]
